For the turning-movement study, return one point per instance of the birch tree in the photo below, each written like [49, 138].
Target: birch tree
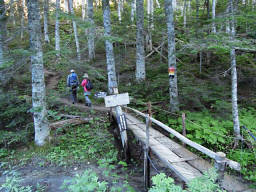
[185, 14]
[57, 28]
[83, 10]
[133, 9]
[234, 78]
[173, 87]
[71, 10]
[111, 70]
[150, 10]
[38, 86]
[2, 31]
[213, 16]
[140, 53]
[46, 8]
[91, 30]
[119, 10]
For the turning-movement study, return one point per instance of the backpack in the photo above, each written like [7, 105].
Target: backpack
[73, 80]
[89, 85]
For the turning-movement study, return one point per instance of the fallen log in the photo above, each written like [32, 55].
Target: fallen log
[75, 121]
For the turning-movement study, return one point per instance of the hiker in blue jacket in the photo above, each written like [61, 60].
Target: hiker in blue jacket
[72, 83]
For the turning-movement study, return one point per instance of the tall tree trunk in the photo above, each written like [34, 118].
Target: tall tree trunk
[83, 10]
[185, 14]
[227, 19]
[197, 10]
[71, 10]
[133, 9]
[119, 10]
[57, 29]
[41, 125]
[173, 90]
[213, 16]
[46, 8]
[22, 19]
[66, 5]
[112, 80]
[234, 78]
[140, 53]
[158, 4]
[12, 5]
[91, 34]
[174, 4]
[150, 10]
[208, 8]
[2, 32]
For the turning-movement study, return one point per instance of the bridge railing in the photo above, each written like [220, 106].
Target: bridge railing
[219, 157]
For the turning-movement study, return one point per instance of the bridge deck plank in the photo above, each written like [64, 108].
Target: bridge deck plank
[185, 171]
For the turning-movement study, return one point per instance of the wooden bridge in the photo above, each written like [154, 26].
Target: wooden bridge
[185, 164]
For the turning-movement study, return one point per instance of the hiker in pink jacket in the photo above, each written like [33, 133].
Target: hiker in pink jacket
[87, 85]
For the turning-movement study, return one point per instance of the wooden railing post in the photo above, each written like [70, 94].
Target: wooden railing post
[220, 164]
[184, 127]
[146, 155]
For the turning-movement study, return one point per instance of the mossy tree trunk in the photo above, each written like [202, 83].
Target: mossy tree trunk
[173, 87]
[111, 70]
[38, 85]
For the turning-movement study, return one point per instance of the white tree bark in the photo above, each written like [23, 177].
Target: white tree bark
[41, 125]
[66, 5]
[83, 10]
[140, 53]
[227, 19]
[213, 16]
[112, 80]
[57, 28]
[173, 89]
[234, 78]
[174, 4]
[46, 8]
[22, 18]
[150, 10]
[75, 30]
[2, 32]
[158, 4]
[185, 14]
[91, 30]
[133, 9]
[119, 10]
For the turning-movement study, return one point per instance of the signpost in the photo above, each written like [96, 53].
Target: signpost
[116, 101]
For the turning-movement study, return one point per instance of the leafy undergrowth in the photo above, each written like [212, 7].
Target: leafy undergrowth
[161, 183]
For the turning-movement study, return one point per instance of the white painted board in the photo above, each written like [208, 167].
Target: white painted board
[117, 100]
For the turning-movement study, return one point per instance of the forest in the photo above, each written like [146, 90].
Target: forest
[192, 61]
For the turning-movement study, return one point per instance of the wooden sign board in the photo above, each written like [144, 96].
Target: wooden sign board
[117, 100]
